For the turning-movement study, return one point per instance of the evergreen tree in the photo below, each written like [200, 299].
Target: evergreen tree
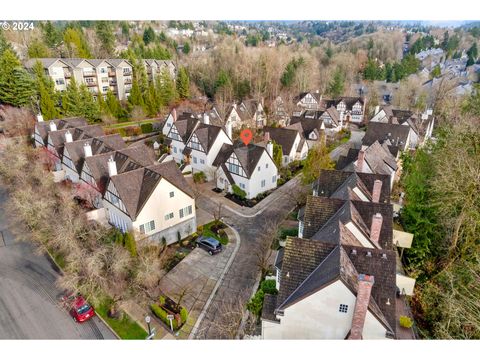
[152, 101]
[168, 92]
[436, 72]
[89, 108]
[277, 154]
[148, 35]
[17, 86]
[317, 159]
[125, 30]
[46, 93]
[186, 48]
[71, 99]
[337, 85]
[136, 98]
[183, 83]
[37, 49]
[51, 35]
[4, 44]
[104, 32]
[76, 43]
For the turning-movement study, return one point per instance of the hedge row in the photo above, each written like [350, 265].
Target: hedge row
[162, 315]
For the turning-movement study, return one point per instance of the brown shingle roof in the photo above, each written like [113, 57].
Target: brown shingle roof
[57, 138]
[396, 134]
[311, 265]
[282, 136]
[44, 127]
[333, 183]
[136, 186]
[248, 156]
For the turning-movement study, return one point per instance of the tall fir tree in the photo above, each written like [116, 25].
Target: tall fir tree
[168, 91]
[183, 83]
[76, 44]
[337, 85]
[136, 97]
[104, 32]
[17, 86]
[4, 44]
[46, 93]
[89, 107]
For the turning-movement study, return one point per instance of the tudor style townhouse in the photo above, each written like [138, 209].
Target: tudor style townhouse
[248, 113]
[294, 146]
[311, 130]
[155, 201]
[196, 142]
[420, 125]
[135, 192]
[250, 167]
[350, 109]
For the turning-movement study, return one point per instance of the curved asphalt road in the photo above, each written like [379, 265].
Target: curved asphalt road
[28, 295]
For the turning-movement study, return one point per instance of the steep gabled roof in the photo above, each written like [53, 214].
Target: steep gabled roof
[185, 125]
[248, 156]
[334, 183]
[323, 215]
[282, 136]
[310, 265]
[46, 62]
[43, 127]
[306, 126]
[99, 145]
[207, 134]
[136, 186]
[381, 132]
[79, 133]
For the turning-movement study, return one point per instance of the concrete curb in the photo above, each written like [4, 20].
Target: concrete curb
[108, 326]
[217, 285]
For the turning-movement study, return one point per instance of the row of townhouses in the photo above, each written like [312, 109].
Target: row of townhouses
[390, 132]
[99, 75]
[342, 278]
[129, 188]
[338, 279]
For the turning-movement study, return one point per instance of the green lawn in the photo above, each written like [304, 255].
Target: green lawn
[130, 123]
[125, 327]
[208, 232]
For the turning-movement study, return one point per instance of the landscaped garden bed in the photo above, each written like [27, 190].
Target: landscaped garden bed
[242, 201]
[216, 230]
[166, 307]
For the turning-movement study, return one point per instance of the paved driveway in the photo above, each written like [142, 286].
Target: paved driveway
[197, 274]
[28, 306]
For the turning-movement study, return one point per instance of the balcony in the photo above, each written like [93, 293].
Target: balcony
[128, 89]
[93, 90]
[91, 83]
[67, 74]
[128, 80]
[113, 82]
[89, 73]
[127, 72]
[111, 73]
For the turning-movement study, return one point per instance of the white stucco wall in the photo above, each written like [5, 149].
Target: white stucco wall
[318, 317]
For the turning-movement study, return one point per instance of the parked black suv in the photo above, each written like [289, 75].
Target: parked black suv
[211, 245]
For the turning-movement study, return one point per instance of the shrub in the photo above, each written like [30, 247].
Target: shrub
[269, 287]
[183, 315]
[122, 132]
[161, 300]
[255, 304]
[406, 322]
[239, 192]
[288, 232]
[130, 244]
[146, 128]
[162, 315]
[200, 229]
[199, 177]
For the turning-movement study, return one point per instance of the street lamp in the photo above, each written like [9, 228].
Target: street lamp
[148, 320]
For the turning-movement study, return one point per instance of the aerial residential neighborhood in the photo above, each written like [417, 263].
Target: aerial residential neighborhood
[242, 180]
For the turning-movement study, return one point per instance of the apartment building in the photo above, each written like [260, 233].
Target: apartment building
[99, 75]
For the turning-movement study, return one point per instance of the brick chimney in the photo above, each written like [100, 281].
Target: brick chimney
[377, 189]
[365, 283]
[376, 227]
[174, 114]
[361, 160]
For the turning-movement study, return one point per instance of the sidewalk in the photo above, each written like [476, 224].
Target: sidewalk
[284, 191]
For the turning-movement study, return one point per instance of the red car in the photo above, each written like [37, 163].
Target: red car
[78, 307]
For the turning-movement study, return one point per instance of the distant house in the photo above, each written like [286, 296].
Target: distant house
[350, 109]
[332, 291]
[248, 113]
[293, 145]
[308, 100]
[312, 130]
[155, 201]
[374, 159]
[420, 125]
[57, 69]
[330, 119]
[395, 136]
[250, 167]
[197, 142]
